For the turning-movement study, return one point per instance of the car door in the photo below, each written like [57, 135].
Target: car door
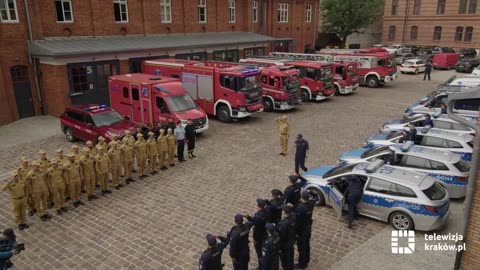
[336, 197]
[76, 124]
[421, 66]
[377, 198]
[91, 133]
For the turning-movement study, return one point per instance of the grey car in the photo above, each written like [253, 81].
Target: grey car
[402, 57]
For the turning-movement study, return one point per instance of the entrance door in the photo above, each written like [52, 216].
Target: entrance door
[137, 111]
[22, 90]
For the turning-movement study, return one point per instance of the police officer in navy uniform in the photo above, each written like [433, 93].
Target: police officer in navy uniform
[170, 124]
[274, 206]
[300, 153]
[292, 192]
[413, 132]
[259, 230]
[239, 249]
[287, 232]
[304, 221]
[390, 158]
[354, 194]
[405, 137]
[211, 258]
[270, 249]
[428, 121]
[443, 108]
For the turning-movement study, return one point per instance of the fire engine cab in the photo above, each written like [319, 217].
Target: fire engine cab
[148, 99]
[225, 91]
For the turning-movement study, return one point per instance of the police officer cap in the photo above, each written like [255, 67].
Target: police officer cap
[276, 192]
[293, 178]
[41, 152]
[270, 227]
[306, 195]
[238, 219]
[212, 240]
[59, 150]
[9, 232]
[288, 209]
[299, 136]
[261, 203]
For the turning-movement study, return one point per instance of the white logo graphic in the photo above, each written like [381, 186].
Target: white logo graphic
[410, 248]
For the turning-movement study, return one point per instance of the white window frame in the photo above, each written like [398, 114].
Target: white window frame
[308, 13]
[231, 11]
[255, 11]
[166, 7]
[121, 2]
[9, 19]
[202, 4]
[63, 11]
[282, 13]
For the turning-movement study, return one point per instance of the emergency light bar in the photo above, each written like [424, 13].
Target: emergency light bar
[161, 89]
[437, 114]
[425, 129]
[95, 108]
[406, 146]
[374, 166]
[249, 70]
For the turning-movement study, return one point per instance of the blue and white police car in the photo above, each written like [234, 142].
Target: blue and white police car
[445, 166]
[407, 200]
[440, 121]
[430, 138]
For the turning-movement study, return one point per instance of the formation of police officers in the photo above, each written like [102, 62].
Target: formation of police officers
[35, 187]
[277, 225]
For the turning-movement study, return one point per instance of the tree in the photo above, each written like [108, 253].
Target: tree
[345, 17]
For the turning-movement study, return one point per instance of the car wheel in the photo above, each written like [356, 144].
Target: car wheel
[401, 221]
[305, 96]
[337, 90]
[223, 114]
[268, 105]
[372, 82]
[321, 198]
[69, 135]
[416, 71]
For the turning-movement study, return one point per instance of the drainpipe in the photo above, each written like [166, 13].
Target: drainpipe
[405, 19]
[33, 61]
[473, 169]
[314, 21]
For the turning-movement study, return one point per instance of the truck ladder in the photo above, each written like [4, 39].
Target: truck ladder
[303, 56]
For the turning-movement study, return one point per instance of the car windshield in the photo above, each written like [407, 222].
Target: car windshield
[106, 118]
[394, 134]
[435, 192]
[326, 74]
[409, 63]
[462, 166]
[248, 82]
[290, 82]
[391, 62]
[411, 119]
[181, 103]
[339, 170]
[375, 151]
[352, 70]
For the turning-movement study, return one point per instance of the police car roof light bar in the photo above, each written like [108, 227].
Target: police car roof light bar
[425, 129]
[406, 146]
[95, 108]
[437, 114]
[374, 166]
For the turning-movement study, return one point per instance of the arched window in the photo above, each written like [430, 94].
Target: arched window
[391, 33]
[458, 33]
[414, 33]
[437, 33]
[468, 34]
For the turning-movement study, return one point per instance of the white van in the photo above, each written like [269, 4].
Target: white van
[466, 82]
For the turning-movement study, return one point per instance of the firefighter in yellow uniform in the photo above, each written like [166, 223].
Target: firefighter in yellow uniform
[39, 189]
[102, 143]
[23, 172]
[128, 137]
[102, 168]
[162, 145]
[44, 165]
[126, 154]
[152, 152]
[92, 152]
[88, 170]
[140, 148]
[171, 143]
[115, 166]
[56, 183]
[73, 177]
[18, 190]
[113, 141]
[61, 158]
[284, 130]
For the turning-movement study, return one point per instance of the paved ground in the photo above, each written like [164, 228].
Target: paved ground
[160, 222]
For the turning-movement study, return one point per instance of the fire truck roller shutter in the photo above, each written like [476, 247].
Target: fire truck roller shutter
[190, 84]
[205, 87]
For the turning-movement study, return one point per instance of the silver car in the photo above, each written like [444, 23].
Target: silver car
[445, 166]
[407, 200]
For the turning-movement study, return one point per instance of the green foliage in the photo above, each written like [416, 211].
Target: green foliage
[345, 17]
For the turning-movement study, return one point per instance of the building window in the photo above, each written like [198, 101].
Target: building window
[202, 11]
[227, 56]
[252, 52]
[255, 11]
[441, 7]
[166, 11]
[437, 33]
[458, 33]
[472, 7]
[199, 56]
[308, 13]
[8, 11]
[64, 10]
[394, 7]
[468, 34]
[414, 33]
[462, 8]
[391, 33]
[282, 13]
[121, 10]
[416, 7]
[231, 11]
[90, 76]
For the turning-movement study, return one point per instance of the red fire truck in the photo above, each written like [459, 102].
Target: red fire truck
[148, 99]
[374, 68]
[225, 91]
[316, 79]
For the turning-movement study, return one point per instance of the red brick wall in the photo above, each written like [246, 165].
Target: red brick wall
[54, 88]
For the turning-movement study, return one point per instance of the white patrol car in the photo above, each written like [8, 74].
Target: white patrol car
[407, 200]
[445, 166]
[440, 121]
[430, 138]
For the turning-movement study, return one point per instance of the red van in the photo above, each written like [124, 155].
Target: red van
[444, 60]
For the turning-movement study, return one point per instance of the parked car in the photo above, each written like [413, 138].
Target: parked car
[380, 46]
[395, 49]
[413, 66]
[466, 65]
[407, 200]
[425, 53]
[437, 50]
[90, 121]
[411, 49]
[402, 57]
[468, 53]
[440, 121]
[444, 60]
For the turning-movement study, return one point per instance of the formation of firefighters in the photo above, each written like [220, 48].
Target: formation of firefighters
[42, 184]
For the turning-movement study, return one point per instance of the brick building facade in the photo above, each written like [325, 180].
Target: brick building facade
[75, 45]
[452, 23]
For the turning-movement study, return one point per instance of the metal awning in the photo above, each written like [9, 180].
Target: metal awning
[51, 47]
